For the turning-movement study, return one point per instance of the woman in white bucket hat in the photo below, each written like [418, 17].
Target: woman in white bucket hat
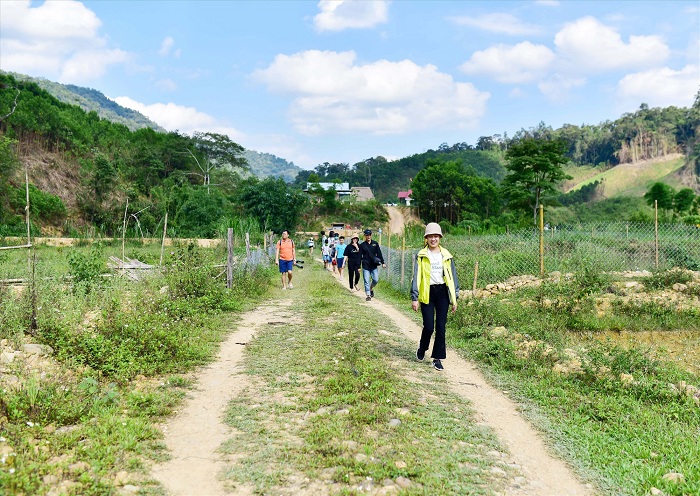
[434, 288]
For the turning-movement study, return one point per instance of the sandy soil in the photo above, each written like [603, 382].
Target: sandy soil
[399, 217]
[198, 430]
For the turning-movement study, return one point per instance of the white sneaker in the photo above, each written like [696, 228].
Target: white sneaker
[284, 287]
[291, 286]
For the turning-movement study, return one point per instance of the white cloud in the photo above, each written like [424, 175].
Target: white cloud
[166, 46]
[588, 46]
[548, 3]
[661, 87]
[90, 64]
[522, 63]
[498, 23]
[558, 87]
[337, 15]
[175, 117]
[55, 39]
[333, 94]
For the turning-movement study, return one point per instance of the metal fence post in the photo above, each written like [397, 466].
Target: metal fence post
[656, 234]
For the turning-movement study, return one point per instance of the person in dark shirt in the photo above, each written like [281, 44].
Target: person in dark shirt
[354, 260]
[372, 258]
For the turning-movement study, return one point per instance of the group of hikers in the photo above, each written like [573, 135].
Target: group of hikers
[434, 285]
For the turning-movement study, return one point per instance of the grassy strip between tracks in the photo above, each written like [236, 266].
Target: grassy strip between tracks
[338, 404]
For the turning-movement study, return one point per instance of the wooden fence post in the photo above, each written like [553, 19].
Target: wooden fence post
[656, 233]
[229, 258]
[541, 240]
[162, 244]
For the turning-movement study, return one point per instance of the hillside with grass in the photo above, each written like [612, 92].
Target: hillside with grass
[631, 179]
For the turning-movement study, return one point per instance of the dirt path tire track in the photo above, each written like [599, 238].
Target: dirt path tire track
[195, 434]
[544, 473]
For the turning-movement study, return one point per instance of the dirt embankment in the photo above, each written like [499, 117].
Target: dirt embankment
[400, 217]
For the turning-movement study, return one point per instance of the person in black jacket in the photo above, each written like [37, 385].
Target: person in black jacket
[354, 258]
[372, 258]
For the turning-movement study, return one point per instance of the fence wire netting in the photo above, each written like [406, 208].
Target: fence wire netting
[601, 247]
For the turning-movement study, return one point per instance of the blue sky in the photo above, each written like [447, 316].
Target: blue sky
[342, 81]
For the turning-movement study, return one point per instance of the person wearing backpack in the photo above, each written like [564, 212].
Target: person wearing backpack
[286, 257]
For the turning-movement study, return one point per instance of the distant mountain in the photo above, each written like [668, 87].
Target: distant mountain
[92, 100]
[261, 164]
[266, 164]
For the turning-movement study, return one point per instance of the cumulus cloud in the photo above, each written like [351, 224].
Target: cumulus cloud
[588, 46]
[498, 23]
[522, 63]
[338, 15]
[334, 94]
[175, 117]
[55, 39]
[661, 87]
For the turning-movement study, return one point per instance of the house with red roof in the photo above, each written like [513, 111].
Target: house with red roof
[405, 197]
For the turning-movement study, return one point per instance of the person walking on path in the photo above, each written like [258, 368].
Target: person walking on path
[372, 258]
[311, 245]
[326, 254]
[340, 255]
[434, 288]
[354, 259]
[286, 257]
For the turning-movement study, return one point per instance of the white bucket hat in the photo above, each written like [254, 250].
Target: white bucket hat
[433, 228]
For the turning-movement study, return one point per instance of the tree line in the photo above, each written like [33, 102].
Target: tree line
[202, 180]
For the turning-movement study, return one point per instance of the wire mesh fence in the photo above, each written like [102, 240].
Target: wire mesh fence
[601, 247]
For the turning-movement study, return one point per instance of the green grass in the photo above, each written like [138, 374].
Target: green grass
[123, 352]
[327, 385]
[625, 435]
[632, 179]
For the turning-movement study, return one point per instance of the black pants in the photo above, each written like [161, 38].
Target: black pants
[353, 273]
[435, 319]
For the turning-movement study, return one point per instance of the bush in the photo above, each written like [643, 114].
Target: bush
[85, 269]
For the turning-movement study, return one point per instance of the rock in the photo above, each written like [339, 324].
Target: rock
[37, 349]
[679, 287]
[403, 482]
[360, 457]
[656, 492]
[351, 445]
[674, 477]
[50, 479]
[130, 489]
[499, 331]
[497, 471]
[400, 464]
[7, 356]
[394, 422]
[78, 467]
[121, 478]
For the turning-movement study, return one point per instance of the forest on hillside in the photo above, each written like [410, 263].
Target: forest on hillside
[203, 182]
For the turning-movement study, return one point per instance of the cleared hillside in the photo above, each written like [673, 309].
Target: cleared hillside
[632, 179]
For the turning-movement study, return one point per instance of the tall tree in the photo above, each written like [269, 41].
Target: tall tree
[662, 194]
[535, 168]
[212, 151]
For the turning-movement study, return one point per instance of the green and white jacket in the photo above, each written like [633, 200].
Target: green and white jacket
[420, 286]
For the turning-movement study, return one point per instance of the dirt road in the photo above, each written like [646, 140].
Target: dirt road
[198, 430]
[398, 219]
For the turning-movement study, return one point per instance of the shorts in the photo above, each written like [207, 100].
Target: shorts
[326, 258]
[341, 262]
[286, 266]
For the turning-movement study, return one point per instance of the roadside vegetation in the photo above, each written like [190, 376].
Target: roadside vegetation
[627, 416]
[91, 365]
